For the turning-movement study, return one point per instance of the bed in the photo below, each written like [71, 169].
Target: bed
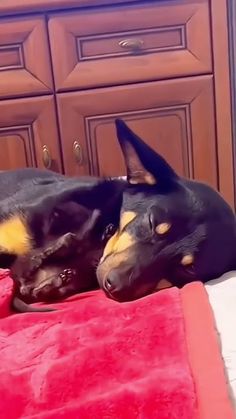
[222, 297]
[169, 355]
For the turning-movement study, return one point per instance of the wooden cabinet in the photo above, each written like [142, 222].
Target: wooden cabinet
[29, 6]
[28, 134]
[176, 117]
[24, 57]
[124, 44]
[69, 69]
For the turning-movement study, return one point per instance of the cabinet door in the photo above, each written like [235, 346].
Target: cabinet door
[24, 57]
[28, 134]
[176, 117]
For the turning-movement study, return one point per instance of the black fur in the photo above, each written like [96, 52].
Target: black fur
[53, 205]
[202, 224]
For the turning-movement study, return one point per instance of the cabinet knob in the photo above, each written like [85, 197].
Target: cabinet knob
[131, 43]
[47, 160]
[77, 151]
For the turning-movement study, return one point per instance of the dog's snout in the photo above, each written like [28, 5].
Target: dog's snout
[117, 285]
[111, 282]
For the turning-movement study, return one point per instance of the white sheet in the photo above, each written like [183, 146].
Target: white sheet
[222, 296]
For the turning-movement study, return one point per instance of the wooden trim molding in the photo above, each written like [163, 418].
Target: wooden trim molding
[16, 6]
[222, 99]
[232, 57]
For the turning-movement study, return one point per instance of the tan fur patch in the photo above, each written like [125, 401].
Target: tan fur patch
[126, 218]
[137, 172]
[110, 245]
[141, 177]
[118, 243]
[14, 237]
[150, 179]
[187, 260]
[162, 228]
[114, 260]
[162, 284]
[124, 242]
[121, 240]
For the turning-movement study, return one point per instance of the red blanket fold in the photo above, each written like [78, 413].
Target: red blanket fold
[96, 358]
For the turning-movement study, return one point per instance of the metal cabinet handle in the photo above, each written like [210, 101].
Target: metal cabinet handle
[47, 160]
[131, 43]
[77, 151]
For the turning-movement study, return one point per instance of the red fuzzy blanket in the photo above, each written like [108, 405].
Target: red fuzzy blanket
[94, 358]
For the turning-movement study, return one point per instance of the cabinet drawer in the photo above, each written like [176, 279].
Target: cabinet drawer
[24, 57]
[175, 117]
[16, 6]
[28, 134]
[124, 44]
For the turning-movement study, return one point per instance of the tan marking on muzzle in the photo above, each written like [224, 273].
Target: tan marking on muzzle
[121, 240]
[162, 228]
[116, 253]
[126, 218]
[187, 260]
[118, 243]
[162, 284]
[110, 245]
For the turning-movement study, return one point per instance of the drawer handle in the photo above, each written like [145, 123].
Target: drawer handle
[47, 160]
[77, 151]
[131, 43]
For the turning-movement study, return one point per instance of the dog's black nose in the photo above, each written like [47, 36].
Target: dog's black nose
[117, 285]
[110, 283]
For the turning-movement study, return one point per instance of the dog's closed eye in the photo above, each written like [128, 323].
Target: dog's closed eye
[156, 226]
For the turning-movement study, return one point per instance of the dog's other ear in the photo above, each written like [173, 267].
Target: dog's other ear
[143, 164]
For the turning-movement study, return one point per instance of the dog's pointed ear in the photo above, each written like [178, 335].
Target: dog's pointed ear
[143, 164]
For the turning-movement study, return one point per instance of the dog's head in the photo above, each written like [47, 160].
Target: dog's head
[172, 230]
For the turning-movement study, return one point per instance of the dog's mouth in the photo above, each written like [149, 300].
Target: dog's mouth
[133, 293]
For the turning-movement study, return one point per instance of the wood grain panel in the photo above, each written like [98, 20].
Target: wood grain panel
[232, 50]
[14, 152]
[11, 57]
[16, 6]
[176, 117]
[89, 47]
[24, 57]
[26, 126]
[222, 97]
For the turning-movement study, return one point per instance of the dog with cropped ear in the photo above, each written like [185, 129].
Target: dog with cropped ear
[172, 230]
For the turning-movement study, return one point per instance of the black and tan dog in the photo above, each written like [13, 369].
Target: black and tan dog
[169, 230]
[172, 230]
[38, 209]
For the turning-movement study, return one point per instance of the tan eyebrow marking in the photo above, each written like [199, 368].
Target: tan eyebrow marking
[162, 228]
[187, 260]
